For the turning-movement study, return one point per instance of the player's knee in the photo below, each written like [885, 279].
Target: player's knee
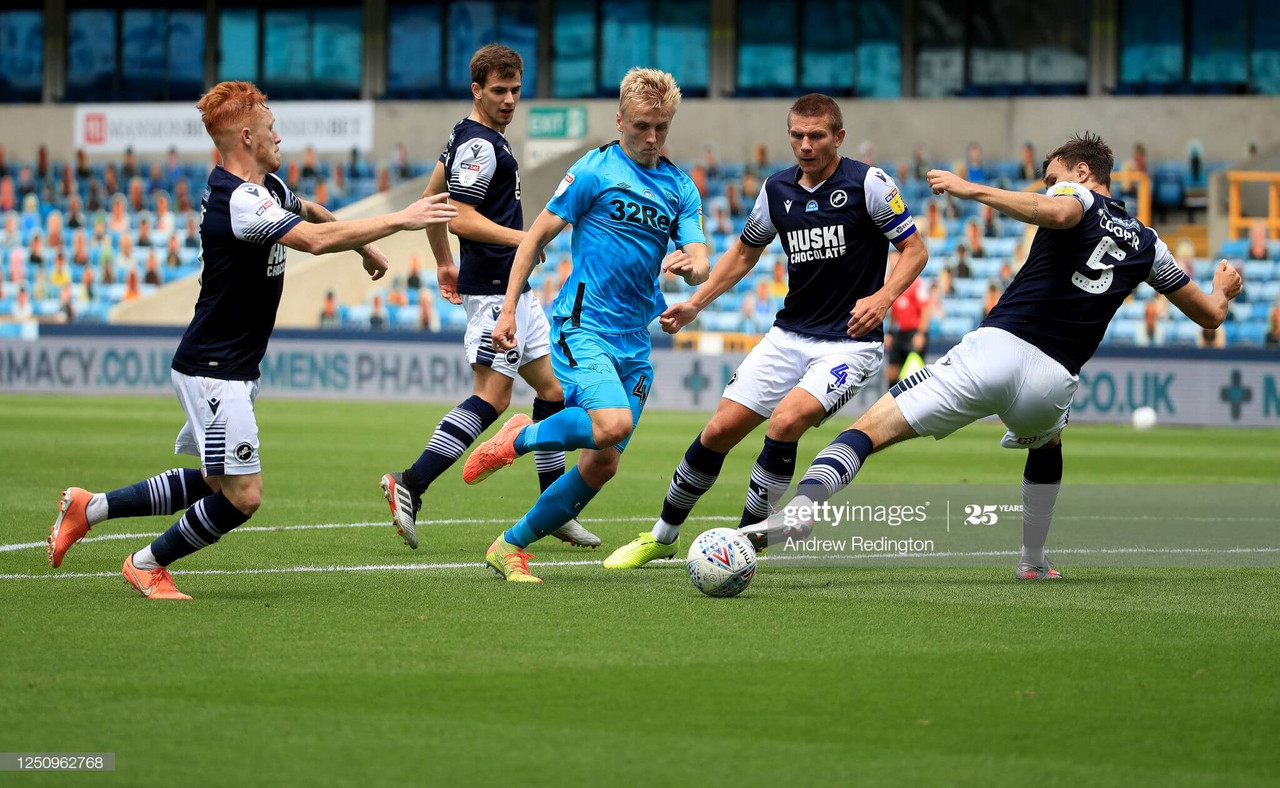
[551, 392]
[499, 400]
[246, 499]
[611, 430]
[719, 436]
[600, 469]
[788, 425]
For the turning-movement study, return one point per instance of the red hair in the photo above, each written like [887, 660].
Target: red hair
[229, 106]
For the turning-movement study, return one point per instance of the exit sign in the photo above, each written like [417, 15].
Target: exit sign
[559, 123]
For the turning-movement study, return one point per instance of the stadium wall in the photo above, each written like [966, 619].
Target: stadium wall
[1225, 125]
[1194, 388]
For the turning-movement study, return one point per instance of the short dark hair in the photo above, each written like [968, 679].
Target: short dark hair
[1088, 148]
[495, 60]
[816, 105]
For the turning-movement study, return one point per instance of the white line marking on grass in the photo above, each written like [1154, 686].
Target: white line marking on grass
[261, 529]
[420, 567]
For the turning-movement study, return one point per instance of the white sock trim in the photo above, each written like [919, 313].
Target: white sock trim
[96, 510]
[665, 532]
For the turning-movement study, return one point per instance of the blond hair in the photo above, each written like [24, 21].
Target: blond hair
[648, 89]
[229, 107]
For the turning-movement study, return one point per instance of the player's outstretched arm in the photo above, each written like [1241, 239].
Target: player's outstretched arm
[546, 227]
[438, 240]
[1054, 213]
[322, 238]
[868, 313]
[734, 264]
[690, 263]
[474, 226]
[1208, 310]
[374, 261]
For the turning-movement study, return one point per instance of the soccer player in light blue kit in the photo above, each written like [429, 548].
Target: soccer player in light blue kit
[625, 202]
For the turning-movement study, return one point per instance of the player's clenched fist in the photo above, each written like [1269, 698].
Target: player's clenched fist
[944, 182]
[1227, 280]
[678, 316]
[429, 210]
[684, 266]
[504, 331]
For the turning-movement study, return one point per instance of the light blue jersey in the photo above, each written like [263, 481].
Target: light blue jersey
[623, 216]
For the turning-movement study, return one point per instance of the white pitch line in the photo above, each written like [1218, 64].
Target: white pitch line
[262, 529]
[420, 567]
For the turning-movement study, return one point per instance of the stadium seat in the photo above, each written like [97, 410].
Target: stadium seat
[1235, 249]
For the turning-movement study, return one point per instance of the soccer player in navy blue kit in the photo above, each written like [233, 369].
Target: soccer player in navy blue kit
[836, 218]
[482, 177]
[247, 218]
[625, 202]
[1023, 361]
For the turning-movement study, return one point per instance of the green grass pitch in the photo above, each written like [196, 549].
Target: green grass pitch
[445, 676]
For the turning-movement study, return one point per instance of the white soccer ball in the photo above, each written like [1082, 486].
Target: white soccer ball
[1144, 418]
[721, 562]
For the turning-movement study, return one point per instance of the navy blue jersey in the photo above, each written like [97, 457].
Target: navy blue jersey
[483, 172]
[242, 276]
[1075, 279]
[835, 240]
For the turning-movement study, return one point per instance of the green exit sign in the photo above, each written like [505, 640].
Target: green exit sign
[558, 123]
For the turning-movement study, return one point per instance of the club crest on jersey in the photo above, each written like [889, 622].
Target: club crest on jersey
[816, 243]
[838, 198]
[811, 206]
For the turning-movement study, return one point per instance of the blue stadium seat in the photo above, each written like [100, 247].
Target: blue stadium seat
[1131, 310]
[956, 327]
[970, 288]
[967, 308]
[1235, 249]
[1250, 333]
[1124, 332]
[1258, 271]
[1184, 332]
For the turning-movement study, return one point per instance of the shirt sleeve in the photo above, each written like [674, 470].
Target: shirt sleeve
[688, 226]
[291, 202]
[1165, 275]
[474, 162]
[575, 193]
[759, 230]
[886, 207]
[1068, 189]
[255, 216]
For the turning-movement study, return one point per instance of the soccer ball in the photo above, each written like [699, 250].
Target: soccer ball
[1144, 418]
[721, 562]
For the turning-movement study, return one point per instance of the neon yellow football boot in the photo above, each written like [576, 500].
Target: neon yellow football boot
[509, 561]
[638, 552]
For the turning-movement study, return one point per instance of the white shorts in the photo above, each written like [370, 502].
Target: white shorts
[990, 373]
[832, 370]
[533, 332]
[221, 429]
